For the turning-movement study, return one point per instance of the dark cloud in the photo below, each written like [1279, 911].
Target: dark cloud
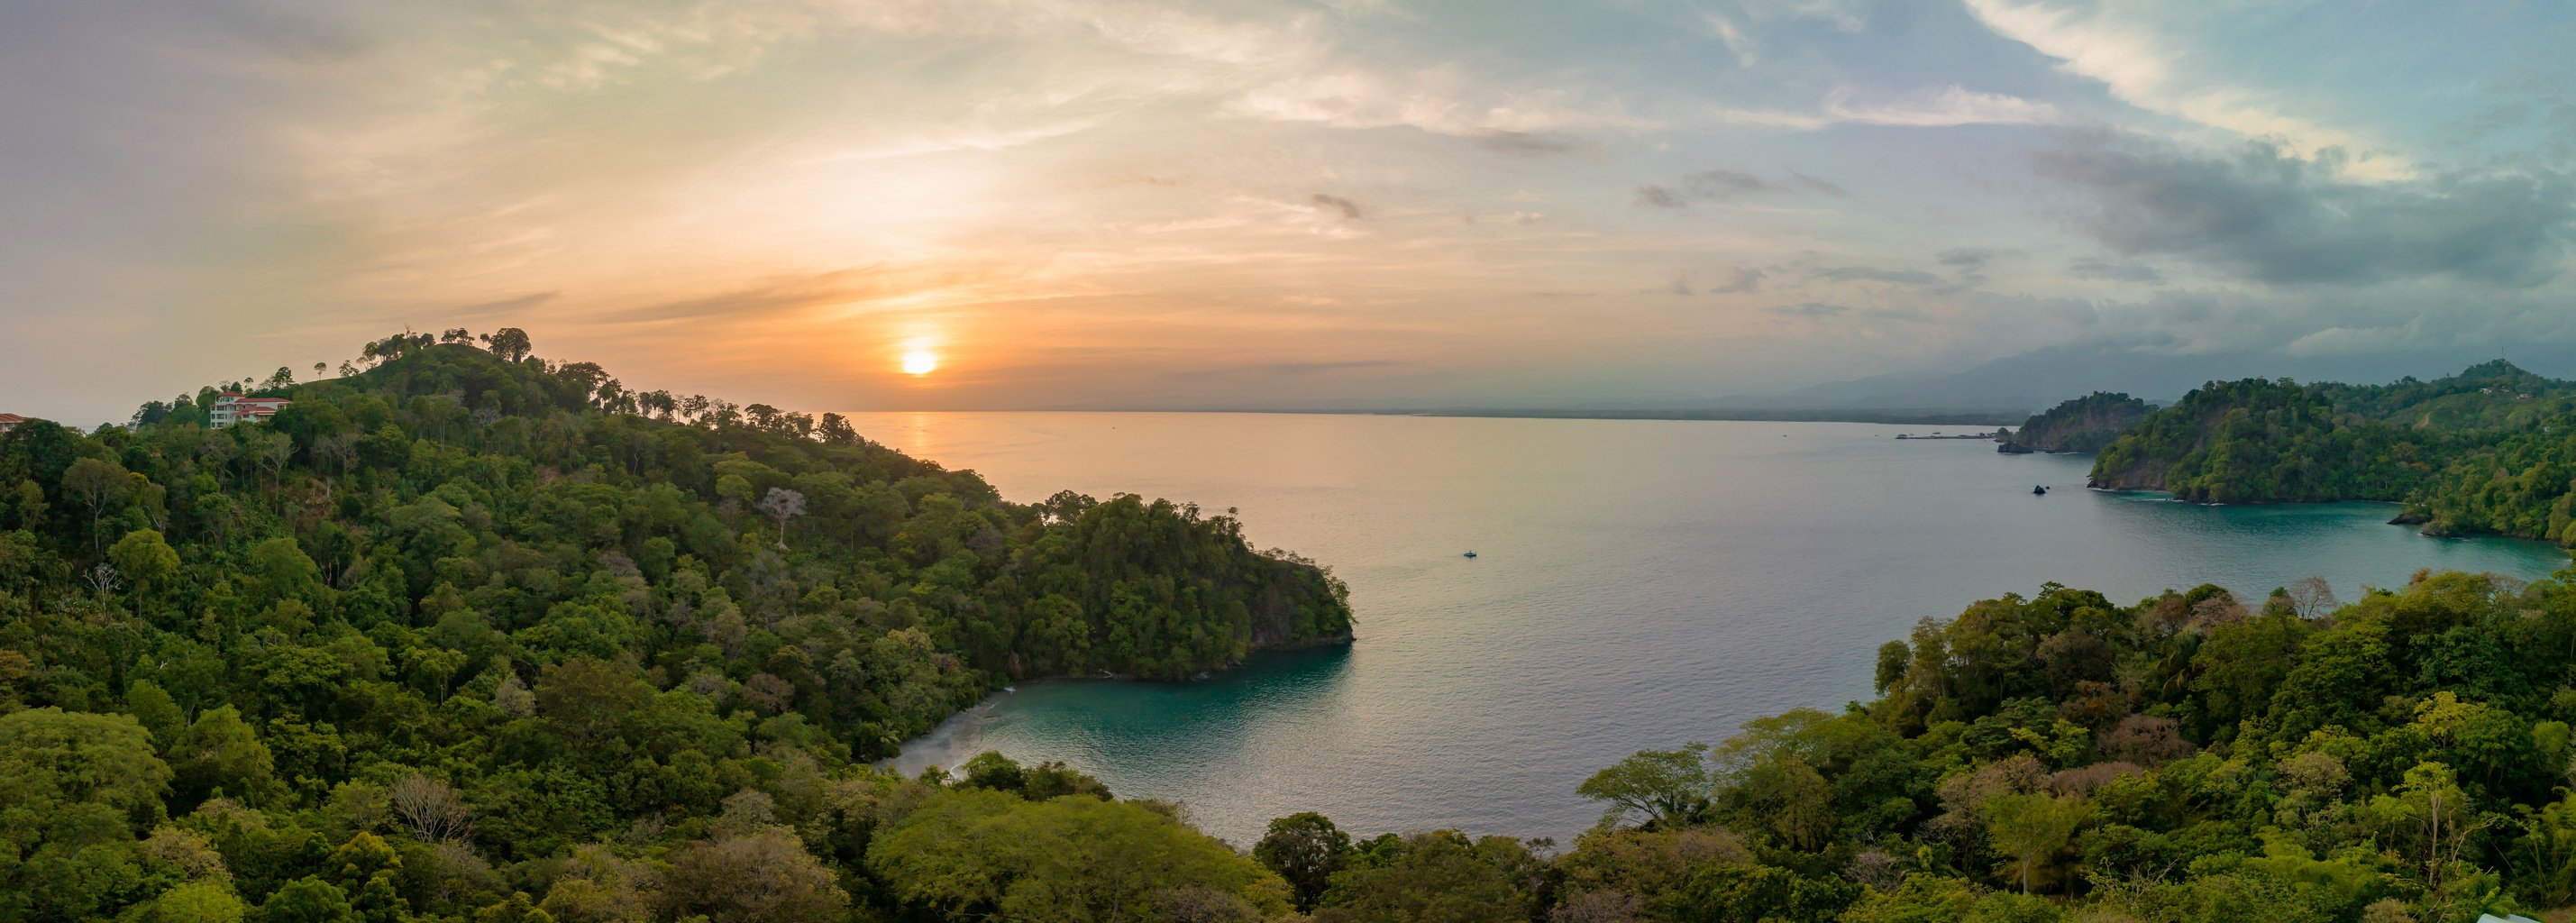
[1349, 210]
[1822, 310]
[1530, 143]
[506, 307]
[1308, 368]
[1723, 184]
[777, 297]
[1740, 280]
[1653, 196]
[1728, 186]
[1812, 309]
[2270, 218]
[1812, 184]
[2113, 270]
[1970, 259]
[1874, 274]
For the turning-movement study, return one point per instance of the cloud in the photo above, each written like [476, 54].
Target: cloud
[2267, 217]
[1739, 280]
[1874, 274]
[2342, 341]
[1812, 309]
[1940, 106]
[504, 308]
[1812, 184]
[1441, 101]
[1653, 196]
[1966, 258]
[1933, 107]
[1349, 210]
[776, 297]
[1727, 186]
[2128, 60]
[1530, 143]
[2093, 267]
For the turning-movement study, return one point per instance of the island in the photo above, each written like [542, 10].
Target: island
[2481, 452]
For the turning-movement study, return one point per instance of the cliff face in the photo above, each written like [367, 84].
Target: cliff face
[2084, 424]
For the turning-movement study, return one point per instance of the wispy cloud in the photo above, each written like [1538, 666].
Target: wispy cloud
[2140, 69]
[1349, 210]
[1934, 107]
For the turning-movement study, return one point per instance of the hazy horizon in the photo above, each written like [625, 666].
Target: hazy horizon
[1334, 205]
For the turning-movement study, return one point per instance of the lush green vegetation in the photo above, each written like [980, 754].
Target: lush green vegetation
[468, 634]
[2487, 450]
[2259, 440]
[471, 636]
[2083, 424]
[2187, 759]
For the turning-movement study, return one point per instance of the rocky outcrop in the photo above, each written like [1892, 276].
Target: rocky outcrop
[2084, 424]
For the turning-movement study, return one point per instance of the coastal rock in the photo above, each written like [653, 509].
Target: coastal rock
[2084, 424]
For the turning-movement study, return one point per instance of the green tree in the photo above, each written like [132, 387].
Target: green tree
[1306, 849]
[74, 790]
[2030, 827]
[1660, 787]
[1436, 877]
[222, 753]
[96, 484]
[308, 900]
[978, 851]
[196, 902]
[144, 557]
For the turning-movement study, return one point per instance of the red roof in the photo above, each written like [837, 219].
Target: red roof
[263, 400]
[227, 394]
[13, 418]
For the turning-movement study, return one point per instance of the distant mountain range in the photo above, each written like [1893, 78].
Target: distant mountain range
[2036, 380]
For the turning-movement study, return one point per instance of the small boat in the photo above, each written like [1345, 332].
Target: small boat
[2039, 490]
[1471, 554]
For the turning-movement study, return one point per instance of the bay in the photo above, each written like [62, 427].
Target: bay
[1638, 584]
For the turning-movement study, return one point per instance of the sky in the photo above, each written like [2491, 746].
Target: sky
[1267, 203]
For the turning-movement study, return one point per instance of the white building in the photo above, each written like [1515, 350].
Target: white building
[10, 421]
[231, 407]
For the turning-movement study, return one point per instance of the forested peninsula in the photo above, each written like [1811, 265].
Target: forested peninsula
[2083, 424]
[444, 618]
[2491, 450]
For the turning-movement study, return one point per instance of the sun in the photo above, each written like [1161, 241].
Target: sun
[920, 361]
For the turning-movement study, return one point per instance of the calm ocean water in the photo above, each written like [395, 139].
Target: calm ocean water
[1639, 584]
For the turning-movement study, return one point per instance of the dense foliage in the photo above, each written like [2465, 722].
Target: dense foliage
[2083, 424]
[2486, 450]
[2261, 440]
[2188, 759]
[2063, 759]
[468, 634]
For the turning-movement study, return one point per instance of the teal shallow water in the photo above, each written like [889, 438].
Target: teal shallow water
[1639, 584]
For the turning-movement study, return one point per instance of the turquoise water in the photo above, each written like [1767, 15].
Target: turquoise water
[1639, 584]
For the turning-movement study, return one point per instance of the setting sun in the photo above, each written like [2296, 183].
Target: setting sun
[919, 361]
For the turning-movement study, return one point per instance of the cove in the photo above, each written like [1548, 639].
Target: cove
[1638, 584]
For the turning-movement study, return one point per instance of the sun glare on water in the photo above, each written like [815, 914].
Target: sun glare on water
[920, 361]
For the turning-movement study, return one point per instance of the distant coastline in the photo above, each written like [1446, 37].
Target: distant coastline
[1895, 417]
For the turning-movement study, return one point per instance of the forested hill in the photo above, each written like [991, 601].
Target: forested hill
[2083, 424]
[2487, 450]
[585, 605]
[2192, 758]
